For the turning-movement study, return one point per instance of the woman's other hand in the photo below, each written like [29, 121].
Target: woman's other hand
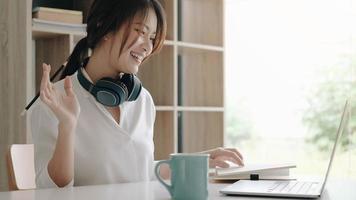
[220, 157]
[65, 106]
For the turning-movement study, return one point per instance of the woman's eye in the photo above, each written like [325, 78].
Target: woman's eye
[140, 31]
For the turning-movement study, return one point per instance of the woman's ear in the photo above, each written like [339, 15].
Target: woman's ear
[108, 36]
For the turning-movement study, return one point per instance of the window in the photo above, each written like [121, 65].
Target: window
[290, 65]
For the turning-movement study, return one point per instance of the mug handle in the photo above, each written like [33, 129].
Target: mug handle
[169, 187]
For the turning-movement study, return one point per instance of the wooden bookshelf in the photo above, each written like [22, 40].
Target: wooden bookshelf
[157, 76]
[201, 130]
[201, 22]
[186, 79]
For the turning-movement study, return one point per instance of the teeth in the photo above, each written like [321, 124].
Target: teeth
[136, 56]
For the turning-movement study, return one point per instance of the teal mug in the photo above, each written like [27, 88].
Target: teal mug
[189, 176]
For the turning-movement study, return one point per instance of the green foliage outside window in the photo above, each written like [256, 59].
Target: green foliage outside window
[326, 100]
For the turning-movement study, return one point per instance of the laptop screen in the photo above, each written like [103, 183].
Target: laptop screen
[343, 121]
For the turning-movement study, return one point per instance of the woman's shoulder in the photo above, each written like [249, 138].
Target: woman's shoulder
[145, 95]
[146, 99]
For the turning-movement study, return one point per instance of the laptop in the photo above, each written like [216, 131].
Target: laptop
[287, 188]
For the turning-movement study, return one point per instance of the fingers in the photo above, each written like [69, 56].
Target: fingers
[68, 86]
[44, 88]
[44, 97]
[231, 154]
[218, 163]
[47, 76]
[236, 151]
[45, 81]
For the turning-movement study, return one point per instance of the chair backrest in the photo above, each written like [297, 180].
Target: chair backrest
[21, 167]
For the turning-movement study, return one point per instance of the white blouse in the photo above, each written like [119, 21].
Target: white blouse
[105, 152]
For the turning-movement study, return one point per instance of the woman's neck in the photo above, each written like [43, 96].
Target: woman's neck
[98, 67]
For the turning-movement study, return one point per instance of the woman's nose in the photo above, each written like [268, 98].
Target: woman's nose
[147, 45]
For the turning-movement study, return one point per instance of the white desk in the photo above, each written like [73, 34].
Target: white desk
[154, 190]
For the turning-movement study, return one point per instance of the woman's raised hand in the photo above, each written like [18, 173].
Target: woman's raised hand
[64, 105]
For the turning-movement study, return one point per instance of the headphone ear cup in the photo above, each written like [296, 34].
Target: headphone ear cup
[111, 92]
[134, 86]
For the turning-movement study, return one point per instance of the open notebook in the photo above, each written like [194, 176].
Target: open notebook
[279, 171]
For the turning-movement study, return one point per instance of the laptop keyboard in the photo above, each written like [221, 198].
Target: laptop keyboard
[294, 187]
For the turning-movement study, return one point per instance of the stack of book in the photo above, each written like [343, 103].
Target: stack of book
[58, 15]
[255, 172]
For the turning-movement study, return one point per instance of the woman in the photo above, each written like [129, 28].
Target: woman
[84, 135]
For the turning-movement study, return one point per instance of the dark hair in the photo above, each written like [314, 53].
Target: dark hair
[107, 16]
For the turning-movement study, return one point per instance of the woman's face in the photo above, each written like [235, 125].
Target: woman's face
[139, 44]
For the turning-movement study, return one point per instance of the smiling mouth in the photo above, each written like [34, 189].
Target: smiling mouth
[136, 56]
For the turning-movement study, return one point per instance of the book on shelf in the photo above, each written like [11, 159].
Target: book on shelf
[43, 27]
[58, 15]
[280, 171]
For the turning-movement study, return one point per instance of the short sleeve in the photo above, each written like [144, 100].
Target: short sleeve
[44, 129]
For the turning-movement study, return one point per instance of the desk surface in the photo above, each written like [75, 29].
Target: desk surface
[154, 190]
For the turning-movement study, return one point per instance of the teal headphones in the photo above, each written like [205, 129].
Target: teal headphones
[112, 92]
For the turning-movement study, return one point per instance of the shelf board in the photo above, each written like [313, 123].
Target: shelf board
[194, 45]
[169, 42]
[200, 46]
[200, 108]
[164, 108]
[44, 28]
[191, 108]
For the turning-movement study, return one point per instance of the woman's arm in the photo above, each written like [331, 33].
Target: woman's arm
[66, 109]
[61, 166]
